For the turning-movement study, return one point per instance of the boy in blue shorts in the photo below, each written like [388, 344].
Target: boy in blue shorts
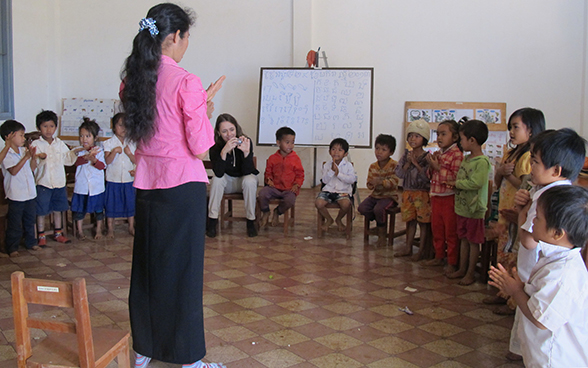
[52, 155]
[338, 178]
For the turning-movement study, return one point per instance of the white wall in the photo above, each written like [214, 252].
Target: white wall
[524, 53]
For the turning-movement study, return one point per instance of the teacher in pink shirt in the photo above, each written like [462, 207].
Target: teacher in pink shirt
[168, 114]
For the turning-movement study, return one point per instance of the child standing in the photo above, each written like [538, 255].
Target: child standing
[471, 198]
[19, 185]
[338, 178]
[52, 156]
[444, 165]
[523, 125]
[89, 188]
[284, 176]
[383, 182]
[416, 206]
[554, 300]
[119, 154]
[556, 159]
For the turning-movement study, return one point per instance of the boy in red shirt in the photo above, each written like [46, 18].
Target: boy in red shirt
[284, 176]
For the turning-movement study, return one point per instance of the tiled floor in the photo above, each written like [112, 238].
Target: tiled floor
[296, 302]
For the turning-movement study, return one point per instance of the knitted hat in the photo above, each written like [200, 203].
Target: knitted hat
[420, 127]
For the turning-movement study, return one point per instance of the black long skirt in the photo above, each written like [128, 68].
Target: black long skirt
[165, 300]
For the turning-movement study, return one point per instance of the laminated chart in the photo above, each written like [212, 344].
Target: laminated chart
[319, 104]
[100, 110]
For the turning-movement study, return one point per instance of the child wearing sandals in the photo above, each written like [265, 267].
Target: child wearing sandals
[119, 154]
[89, 187]
[52, 155]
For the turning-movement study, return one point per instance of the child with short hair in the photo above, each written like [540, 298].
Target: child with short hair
[89, 187]
[284, 176]
[338, 178]
[19, 185]
[557, 156]
[52, 155]
[383, 182]
[416, 205]
[119, 154]
[471, 198]
[443, 168]
[554, 300]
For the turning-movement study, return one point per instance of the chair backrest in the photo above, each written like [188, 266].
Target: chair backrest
[53, 293]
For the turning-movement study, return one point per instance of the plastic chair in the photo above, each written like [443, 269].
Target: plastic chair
[72, 344]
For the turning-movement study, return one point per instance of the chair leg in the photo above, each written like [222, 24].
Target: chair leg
[124, 361]
[366, 229]
[286, 222]
[349, 223]
[221, 215]
[391, 218]
[319, 224]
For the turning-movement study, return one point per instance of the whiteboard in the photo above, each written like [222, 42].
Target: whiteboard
[319, 104]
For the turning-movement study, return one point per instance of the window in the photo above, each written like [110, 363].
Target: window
[6, 82]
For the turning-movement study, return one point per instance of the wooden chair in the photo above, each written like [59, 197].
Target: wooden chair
[73, 344]
[289, 215]
[349, 215]
[391, 213]
[227, 202]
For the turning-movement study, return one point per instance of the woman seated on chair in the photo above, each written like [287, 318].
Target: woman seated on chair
[234, 172]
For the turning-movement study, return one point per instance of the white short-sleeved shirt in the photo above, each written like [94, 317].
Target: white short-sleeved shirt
[118, 170]
[558, 291]
[342, 183]
[19, 187]
[89, 180]
[527, 258]
[50, 171]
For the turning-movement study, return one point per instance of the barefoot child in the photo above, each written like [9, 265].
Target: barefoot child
[119, 154]
[383, 182]
[89, 188]
[284, 176]
[19, 185]
[554, 301]
[444, 165]
[338, 177]
[471, 198]
[416, 206]
[52, 156]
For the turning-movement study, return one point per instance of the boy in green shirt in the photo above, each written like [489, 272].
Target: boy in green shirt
[471, 198]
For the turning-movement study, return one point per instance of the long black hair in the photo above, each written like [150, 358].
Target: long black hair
[141, 67]
[535, 122]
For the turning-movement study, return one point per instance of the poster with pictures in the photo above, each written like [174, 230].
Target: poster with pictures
[488, 116]
[416, 114]
[100, 110]
[440, 115]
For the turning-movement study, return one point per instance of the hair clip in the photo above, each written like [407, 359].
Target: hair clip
[149, 23]
[463, 120]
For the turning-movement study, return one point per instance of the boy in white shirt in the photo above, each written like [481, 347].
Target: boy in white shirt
[52, 156]
[338, 177]
[19, 185]
[554, 301]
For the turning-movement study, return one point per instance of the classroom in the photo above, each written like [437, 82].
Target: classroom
[523, 53]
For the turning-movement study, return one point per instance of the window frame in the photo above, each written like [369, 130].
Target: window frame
[6, 64]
